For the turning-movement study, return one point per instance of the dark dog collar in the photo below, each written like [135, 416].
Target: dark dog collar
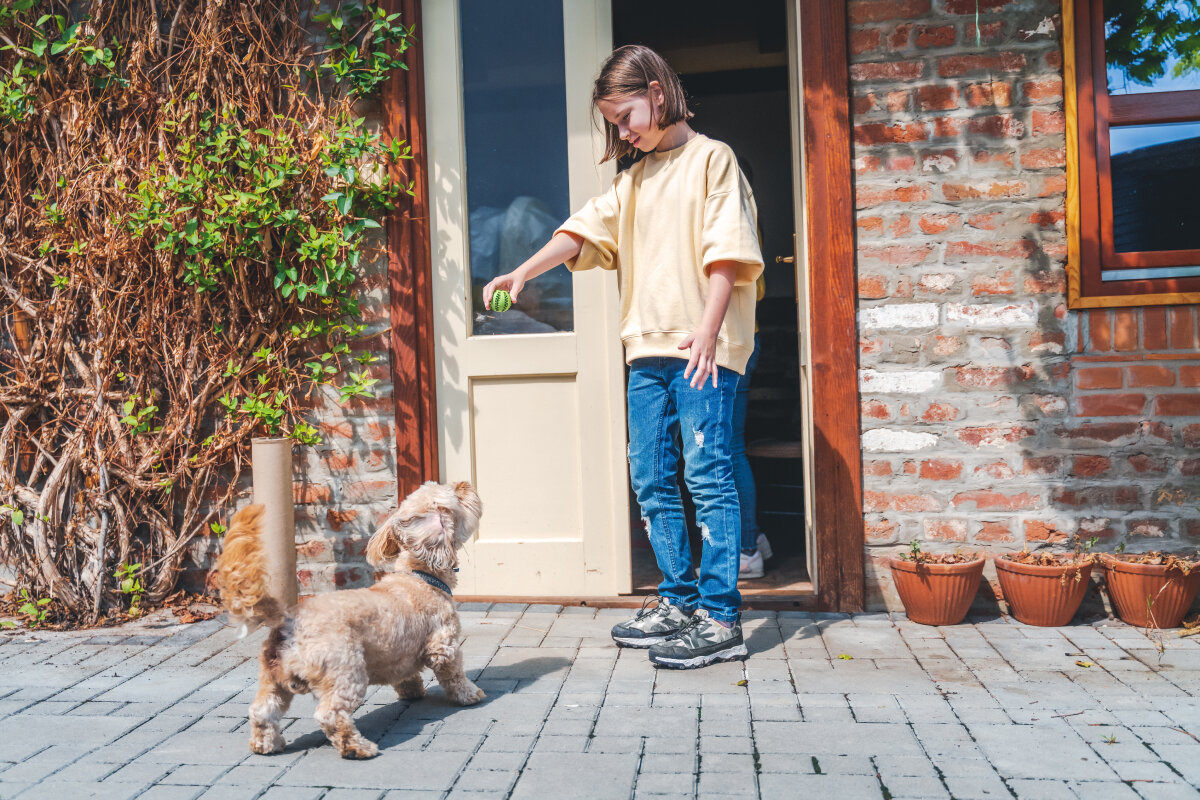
[433, 581]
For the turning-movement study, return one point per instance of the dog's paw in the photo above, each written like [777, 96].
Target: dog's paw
[361, 748]
[267, 742]
[412, 689]
[471, 696]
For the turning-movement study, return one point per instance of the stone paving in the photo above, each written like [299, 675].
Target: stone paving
[828, 705]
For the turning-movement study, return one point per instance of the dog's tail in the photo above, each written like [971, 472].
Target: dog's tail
[242, 573]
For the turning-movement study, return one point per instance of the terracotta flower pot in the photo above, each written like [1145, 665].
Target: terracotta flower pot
[1150, 595]
[936, 594]
[1043, 595]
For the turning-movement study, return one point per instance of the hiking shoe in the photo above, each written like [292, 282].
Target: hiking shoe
[704, 641]
[651, 626]
[751, 566]
[764, 546]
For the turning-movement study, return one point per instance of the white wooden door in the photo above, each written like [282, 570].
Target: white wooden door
[531, 402]
[801, 266]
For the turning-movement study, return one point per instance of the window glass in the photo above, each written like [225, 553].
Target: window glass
[1155, 171]
[515, 119]
[1152, 45]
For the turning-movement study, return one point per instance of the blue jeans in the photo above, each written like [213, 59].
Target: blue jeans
[742, 476]
[665, 410]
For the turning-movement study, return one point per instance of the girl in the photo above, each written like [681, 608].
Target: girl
[679, 228]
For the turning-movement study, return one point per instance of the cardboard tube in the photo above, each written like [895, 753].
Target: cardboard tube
[271, 463]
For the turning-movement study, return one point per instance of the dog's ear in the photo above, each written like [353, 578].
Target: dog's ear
[468, 498]
[385, 544]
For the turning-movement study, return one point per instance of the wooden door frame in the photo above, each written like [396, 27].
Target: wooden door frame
[829, 214]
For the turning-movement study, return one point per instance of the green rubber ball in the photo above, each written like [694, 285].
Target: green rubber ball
[501, 301]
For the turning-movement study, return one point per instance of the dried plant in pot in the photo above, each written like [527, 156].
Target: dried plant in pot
[1044, 588]
[936, 588]
[1151, 590]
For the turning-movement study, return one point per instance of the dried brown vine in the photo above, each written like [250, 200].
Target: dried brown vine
[184, 195]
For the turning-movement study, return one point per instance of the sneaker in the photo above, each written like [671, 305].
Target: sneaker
[764, 546]
[751, 566]
[651, 626]
[704, 641]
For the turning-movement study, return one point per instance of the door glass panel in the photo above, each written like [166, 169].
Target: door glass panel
[1155, 171]
[1152, 46]
[515, 120]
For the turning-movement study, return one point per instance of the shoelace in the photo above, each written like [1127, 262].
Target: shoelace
[643, 613]
[692, 623]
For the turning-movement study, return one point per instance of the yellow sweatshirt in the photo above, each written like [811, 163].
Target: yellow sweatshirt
[663, 223]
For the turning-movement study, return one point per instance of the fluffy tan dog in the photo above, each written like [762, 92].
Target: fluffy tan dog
[336, 645]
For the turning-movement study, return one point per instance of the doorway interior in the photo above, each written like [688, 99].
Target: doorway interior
[733, 62]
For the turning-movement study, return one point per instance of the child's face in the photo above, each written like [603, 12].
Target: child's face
[635, 117]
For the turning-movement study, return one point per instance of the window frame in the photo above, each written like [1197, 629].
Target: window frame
[1089, 111]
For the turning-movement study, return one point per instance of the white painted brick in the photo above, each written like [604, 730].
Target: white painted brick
[909, 382]
[904, 315]
[993, 316]
[886, 440]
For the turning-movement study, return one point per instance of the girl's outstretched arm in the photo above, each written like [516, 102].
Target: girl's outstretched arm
[703, 340]
[562, 247]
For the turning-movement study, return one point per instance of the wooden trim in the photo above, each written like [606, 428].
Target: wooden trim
[829, 204]
[749, 603]
[1154, 108]
[1087, 111]
[410, 273]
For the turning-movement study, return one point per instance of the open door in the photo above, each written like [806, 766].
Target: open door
[531, 401]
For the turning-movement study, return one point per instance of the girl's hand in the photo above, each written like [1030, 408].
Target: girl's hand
[703, 358]
[512, 283]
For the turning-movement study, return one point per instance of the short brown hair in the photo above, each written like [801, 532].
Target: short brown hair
[628, 71]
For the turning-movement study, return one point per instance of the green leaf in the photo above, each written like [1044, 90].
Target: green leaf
[18, 516]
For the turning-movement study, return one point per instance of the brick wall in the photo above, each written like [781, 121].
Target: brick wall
[994, 417]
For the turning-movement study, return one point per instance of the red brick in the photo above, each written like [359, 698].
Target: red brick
[993, 191]
[937, 223]
[864, 40]
[882, 10]
[934, 469]
[1153, 528]
[1125, 330]
[1149, 375]
[946, 530]
[873, 287]
[878, 469]
[991, 93]
[882, 532]
[937, 98]
[1189, 467]
[1183, 329]
[940, 412]
[896, 255]
[947, 345]
[1191, 435]
[1090, 466]
[867, 196]
[984, 222]
[336, 461]
[887, 71]
[337, 430]
[1154, 328]
[313, 549]
[994, 532]
[992, 377]
[976, 6]
[1191, 529]
[368, 491]
[864, 104]
[1047, 341]
[909, 468]
[994, 436]
[1045, 123]
[1046, 282]
[1036, 531]
[876, 409]
[879, 133]
[1042, 91]
[1110, 405]
[1000, 284]
[1100, 327]
[1098, 378]
[1178, 405]
[338, 519]
[1053, 185]
[995, 501]
[1189, 375]
[887, 501]
[1143, 464]
[956, 66]
[898, 39]
[1044, 158]
[999, 470]
[939, 36]
[1041, 465]
[948, 127]
[1099, 497]
[310, 493]
[1107, 432]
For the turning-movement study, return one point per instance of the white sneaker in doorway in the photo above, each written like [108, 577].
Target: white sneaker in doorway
[764, 546]
[751, 566]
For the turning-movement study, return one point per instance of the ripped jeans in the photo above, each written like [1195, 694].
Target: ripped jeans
[664, 411]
